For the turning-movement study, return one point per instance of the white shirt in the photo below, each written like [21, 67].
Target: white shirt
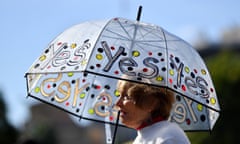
[163, 132]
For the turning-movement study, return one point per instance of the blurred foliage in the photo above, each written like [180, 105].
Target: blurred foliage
[8, 134]
[225, 71]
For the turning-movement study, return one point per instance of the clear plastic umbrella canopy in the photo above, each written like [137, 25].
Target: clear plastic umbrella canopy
[79, 70]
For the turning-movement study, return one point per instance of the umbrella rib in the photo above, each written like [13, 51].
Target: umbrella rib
[116, 38]
[117, 34]
[157, 46]
[124, 29]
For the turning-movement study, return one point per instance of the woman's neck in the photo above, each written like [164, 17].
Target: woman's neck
[150, 122]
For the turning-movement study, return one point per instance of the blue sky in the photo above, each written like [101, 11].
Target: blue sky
[27, 26]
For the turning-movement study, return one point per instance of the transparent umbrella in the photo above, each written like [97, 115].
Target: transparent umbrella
[79, 69]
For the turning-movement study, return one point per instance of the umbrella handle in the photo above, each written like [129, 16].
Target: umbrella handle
[109, 139]
[108, 133]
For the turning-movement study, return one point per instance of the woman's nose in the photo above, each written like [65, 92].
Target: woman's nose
[119, 102]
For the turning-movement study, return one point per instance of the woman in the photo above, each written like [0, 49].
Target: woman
[146, 109]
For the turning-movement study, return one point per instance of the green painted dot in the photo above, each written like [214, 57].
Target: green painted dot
[91, 111]
[199, 107]
[37, 89]
[171, 72]
[116, 93]
[159, 78]
[82, 95]
[70, 74]
[99, 56]
[187, 70]
[136, 53]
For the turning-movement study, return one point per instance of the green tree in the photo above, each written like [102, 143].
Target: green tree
[8, 134]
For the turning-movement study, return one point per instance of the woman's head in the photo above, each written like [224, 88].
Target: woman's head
[150, 100]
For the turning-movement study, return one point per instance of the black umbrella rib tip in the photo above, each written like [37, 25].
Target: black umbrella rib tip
[139, 13]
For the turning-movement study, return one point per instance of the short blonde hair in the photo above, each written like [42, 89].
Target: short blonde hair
[146, 95]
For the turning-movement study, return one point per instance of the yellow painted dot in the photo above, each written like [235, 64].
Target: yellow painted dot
[99, 57]
[159, 78]
[91, 111]
[136, 53]
[186, 69]
[171, 72]
[42, 58]
[82, 95]
[70, 74]
[116, 93]
[199, 107]
[212, 100]
[203, 72]
[73, 45]
[37, 89]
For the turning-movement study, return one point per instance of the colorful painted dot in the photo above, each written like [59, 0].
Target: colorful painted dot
[171, 72]
[116, 93]
[199, 107]
[48, 86]
[170, 81]
[112, 48]
[99, 56]
[98, 87]
[135, 53]
[149, 53]
[116, 72]
[111, 118]
[91, 111]
[203, 72]
[195, 70]
[186, 69]
[211, 89]
[59, 43]
[42, 58]
[73, 45]
[188, 121]
[37, 90]
[82, 95]
[70, 74]
[67, 103]
[212, 100]
[184, 88]
[145, 70]
[159, 78]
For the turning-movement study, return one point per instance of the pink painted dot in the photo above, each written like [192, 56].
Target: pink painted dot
[211, 89]
[83, 80]
[150, 53]
[98, 87]
[184, 88]
[48, 67]
[116, 72]
[170, 81]
[145, 69]
[195, 71]
[188, 121]
[80, 104]
[48, 86]
[59, 43]
[67, 103]
[111, 118]
[112, 48]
